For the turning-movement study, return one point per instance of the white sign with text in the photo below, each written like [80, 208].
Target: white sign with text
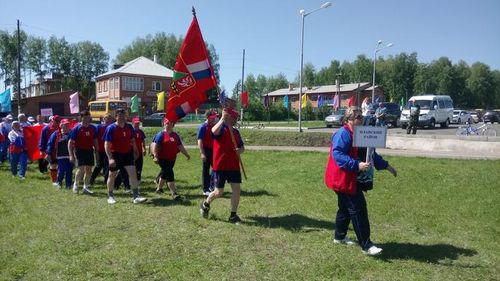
[370, 136]
[46, 111]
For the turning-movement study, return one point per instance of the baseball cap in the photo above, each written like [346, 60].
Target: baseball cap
[136, 120]
[56, 118]
[31, 119]
[9, 117]
[65, 121]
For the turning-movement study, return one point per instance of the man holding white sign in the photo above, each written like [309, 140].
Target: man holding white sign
[342, 172]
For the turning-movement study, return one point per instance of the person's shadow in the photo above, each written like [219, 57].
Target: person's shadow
[436, 253]
[292, 222]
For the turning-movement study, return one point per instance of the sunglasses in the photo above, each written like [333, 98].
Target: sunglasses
[358, 117]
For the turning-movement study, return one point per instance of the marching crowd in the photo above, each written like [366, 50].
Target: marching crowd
[116, 149]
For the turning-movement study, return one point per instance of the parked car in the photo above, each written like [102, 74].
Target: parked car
[461, 116]
[154, 120]
[434, 109]
[335, 119]
[392, 116]
[492, 117]
[476, 118]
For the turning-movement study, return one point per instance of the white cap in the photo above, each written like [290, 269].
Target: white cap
[9, 117]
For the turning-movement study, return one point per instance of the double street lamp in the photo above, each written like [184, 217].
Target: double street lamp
[304, 14]
[379, 48]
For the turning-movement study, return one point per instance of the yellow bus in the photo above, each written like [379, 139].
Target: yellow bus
[100, 108]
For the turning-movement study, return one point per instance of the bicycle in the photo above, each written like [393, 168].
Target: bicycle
[482, 130]
[259, 126]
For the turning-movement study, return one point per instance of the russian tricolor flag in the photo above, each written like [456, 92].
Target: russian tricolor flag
[200, 70]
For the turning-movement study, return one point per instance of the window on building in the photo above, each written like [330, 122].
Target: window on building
[99, 87]
[105, 86]
[117, 83]
[156, 86]
[134, 84]
[111, 84]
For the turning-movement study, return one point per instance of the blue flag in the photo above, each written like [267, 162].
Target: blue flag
[377, 99]
[5, 101]
[266, 101]
[285, 101]
[222, 99]
[320, 101]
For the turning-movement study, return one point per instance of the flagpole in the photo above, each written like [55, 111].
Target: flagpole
[235, 146]
[242, 85]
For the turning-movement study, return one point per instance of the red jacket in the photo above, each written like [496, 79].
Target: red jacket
[337, 178]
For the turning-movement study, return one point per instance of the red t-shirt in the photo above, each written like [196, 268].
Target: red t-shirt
[120, 138]
[101, 130]
[225, 157]
[139, 137]
[83, 136]
[169, 145]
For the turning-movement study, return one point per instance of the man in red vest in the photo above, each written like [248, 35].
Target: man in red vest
[226, 167]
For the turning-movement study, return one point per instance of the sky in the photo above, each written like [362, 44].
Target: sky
[270, 30]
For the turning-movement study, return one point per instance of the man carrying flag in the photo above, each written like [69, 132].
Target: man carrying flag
[226, 166]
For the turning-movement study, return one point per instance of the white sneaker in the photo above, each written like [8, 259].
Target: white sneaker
[127, 190]
[111, 200]
[206, 193]
[345, 241]
[75, 188]
[57, 185]
[139, 200]
[88, 191]
[373, 251]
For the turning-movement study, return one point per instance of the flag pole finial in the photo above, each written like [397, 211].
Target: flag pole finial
[194, 11]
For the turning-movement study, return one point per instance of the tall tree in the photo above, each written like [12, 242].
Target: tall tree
[36, 56]
[481, 85]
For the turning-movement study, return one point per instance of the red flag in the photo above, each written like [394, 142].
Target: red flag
[194, 78]
[244, 99]
[32, 139]
[351, 101]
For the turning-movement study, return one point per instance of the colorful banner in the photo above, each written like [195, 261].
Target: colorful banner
[5, 101]
[193, 79]
[74, 103]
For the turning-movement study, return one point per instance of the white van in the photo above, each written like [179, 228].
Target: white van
[434, 110]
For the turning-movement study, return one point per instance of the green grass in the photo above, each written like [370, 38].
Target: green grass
[438, 220]
[258, 137]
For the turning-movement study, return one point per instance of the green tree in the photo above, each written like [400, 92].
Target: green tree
[36, 56]
[276, 82]
[481, 85]
[327, 75]
[8, 56]
[60, 55]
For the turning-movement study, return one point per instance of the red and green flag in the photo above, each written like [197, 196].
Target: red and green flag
[193, 79]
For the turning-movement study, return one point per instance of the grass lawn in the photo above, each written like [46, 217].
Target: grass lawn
[438, 220]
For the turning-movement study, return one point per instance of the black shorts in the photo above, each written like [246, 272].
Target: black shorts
[167, 169]
[220, 177]
[84, 157]
[122, 160]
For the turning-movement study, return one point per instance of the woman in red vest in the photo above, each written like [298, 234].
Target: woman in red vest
[341, 175]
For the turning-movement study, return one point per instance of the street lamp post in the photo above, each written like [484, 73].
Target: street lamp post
[304, 14]
[375, 62]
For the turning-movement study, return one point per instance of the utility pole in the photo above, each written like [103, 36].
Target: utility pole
[18, 71]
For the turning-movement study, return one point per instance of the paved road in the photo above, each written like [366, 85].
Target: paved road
[436, 131]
